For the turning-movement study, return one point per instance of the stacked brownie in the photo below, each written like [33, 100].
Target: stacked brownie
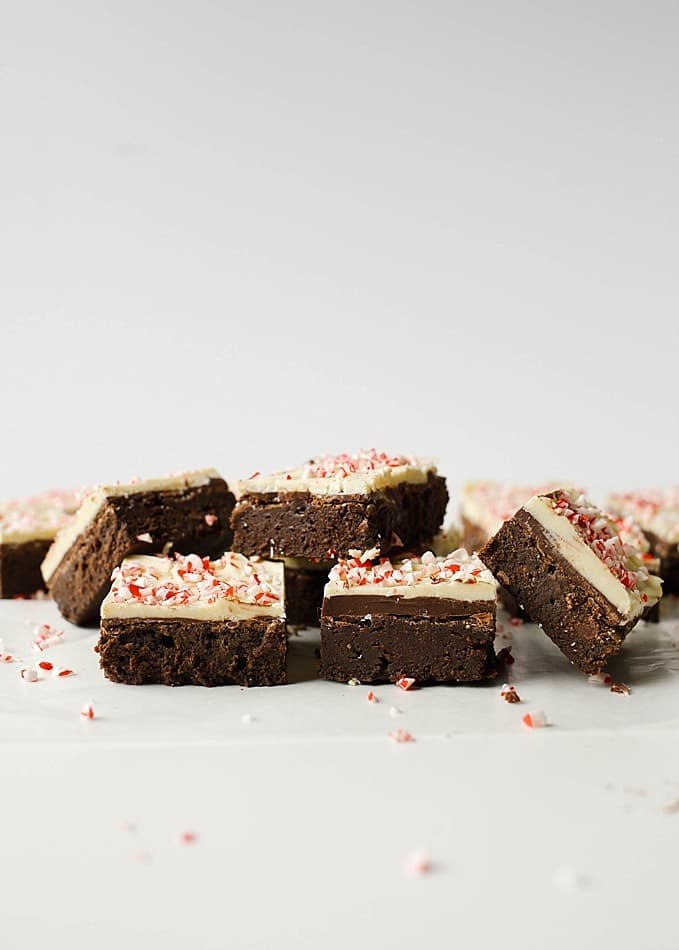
[27, 528]
[187, 513]
[657, 514]
[331, 505]
[189, 620]
[565, 562]
[431, 619]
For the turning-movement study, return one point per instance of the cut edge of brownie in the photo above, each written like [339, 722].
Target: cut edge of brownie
[20, 561]
[577, 617]
[302, 524]
[182, 652]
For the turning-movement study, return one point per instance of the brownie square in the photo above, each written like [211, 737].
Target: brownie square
[336, 504]
[564, 562]
[187, 620]
[27, 528]
[429, 618]
[185, 513]
[657, 514]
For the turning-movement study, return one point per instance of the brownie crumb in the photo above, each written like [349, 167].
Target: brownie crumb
[509, 694]
[505, 656]
[620, 688]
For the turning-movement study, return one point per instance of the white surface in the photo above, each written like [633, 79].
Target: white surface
[241, 234]
[305, 813]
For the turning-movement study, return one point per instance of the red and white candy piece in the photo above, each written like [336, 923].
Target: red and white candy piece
[400, 735]
[29, 675]
[535, 719]
[61, 672]
[188, 837]
[371, 697]
[406, 682]
[45, 636]
[87, 712]
[211, 520]
[417, 863]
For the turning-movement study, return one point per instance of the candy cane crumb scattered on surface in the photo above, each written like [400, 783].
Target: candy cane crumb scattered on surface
[188, 837]
[87, 712]
[400, 735]
[371, 697]
[44, 637]
[405, 682]
[394, 711]
[509, 694]
[61, 672]
[417, 863]
[28, 674]
[247, 719]
[535, 719]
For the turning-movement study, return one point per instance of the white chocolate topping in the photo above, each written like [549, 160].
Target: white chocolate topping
[191, 587]
[591, 542]
[365, 471]
[654, 511]
[37, 518]
[489, 504]
[96, 498]
[458, 576]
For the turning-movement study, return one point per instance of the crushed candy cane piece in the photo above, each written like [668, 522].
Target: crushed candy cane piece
[45, 636]
[61, 672]
[406, 682]
[394, 711]
[87, 712]
[146, 538]
[417, 863]
[188, 837]
[372, 698]
[211, 520]
[6, 658]
[247, 719]
[603, 679]
[29, 675]
[46, 665]
[535, 719]
[509, 694]
[400, 735]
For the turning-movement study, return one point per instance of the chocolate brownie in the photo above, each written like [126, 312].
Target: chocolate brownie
[564, 561]
[180, 513]
[27, 528]
[657, 514]
[336, 504]
[305, 581]
[188, 620]
[429, 618]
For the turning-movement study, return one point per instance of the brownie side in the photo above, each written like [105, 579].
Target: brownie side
[584, 625]
[300, 524]
[380, 648]
[181, 652]
[669, 562]
[473, 535]
[20, 568]
[304, 595]
[82, 579]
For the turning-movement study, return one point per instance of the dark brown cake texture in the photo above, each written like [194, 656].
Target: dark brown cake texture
[27, 528]
[431, 619]
[187, 620]
[564, 561]
[305, 580]
[657, 514]
[185, 513]
[335, 504]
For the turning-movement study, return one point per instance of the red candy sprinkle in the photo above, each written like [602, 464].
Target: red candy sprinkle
[46, 665]
[535, 719]
[400, 735]
[406, 682]
[188, 837]
[87, 712]
[372, 698]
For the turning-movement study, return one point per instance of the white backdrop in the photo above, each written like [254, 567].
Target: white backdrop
[244, 233]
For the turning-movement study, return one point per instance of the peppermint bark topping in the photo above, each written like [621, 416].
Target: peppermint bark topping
[428, 569]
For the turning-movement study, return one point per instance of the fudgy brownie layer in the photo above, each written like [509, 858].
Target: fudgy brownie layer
[585, 626]
[304, 596]
[385, 647]
[193, 652]
[669, 562]
[82, 579]
[360, 605]
[20, 568]
[301, 524]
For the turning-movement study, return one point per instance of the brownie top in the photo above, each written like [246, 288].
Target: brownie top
[592, 543]
[654, 511]
[37, 518]
[193, 587]
[363, 472]
[95, 498]
[488, 504]
[457, 576]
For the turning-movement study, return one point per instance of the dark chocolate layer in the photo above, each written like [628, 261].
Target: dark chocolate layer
[358, 605]
[585, 626]
[300, 524]
[175, 518]
[185, 652]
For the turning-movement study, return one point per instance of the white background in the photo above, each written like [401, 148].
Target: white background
[241, 234]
